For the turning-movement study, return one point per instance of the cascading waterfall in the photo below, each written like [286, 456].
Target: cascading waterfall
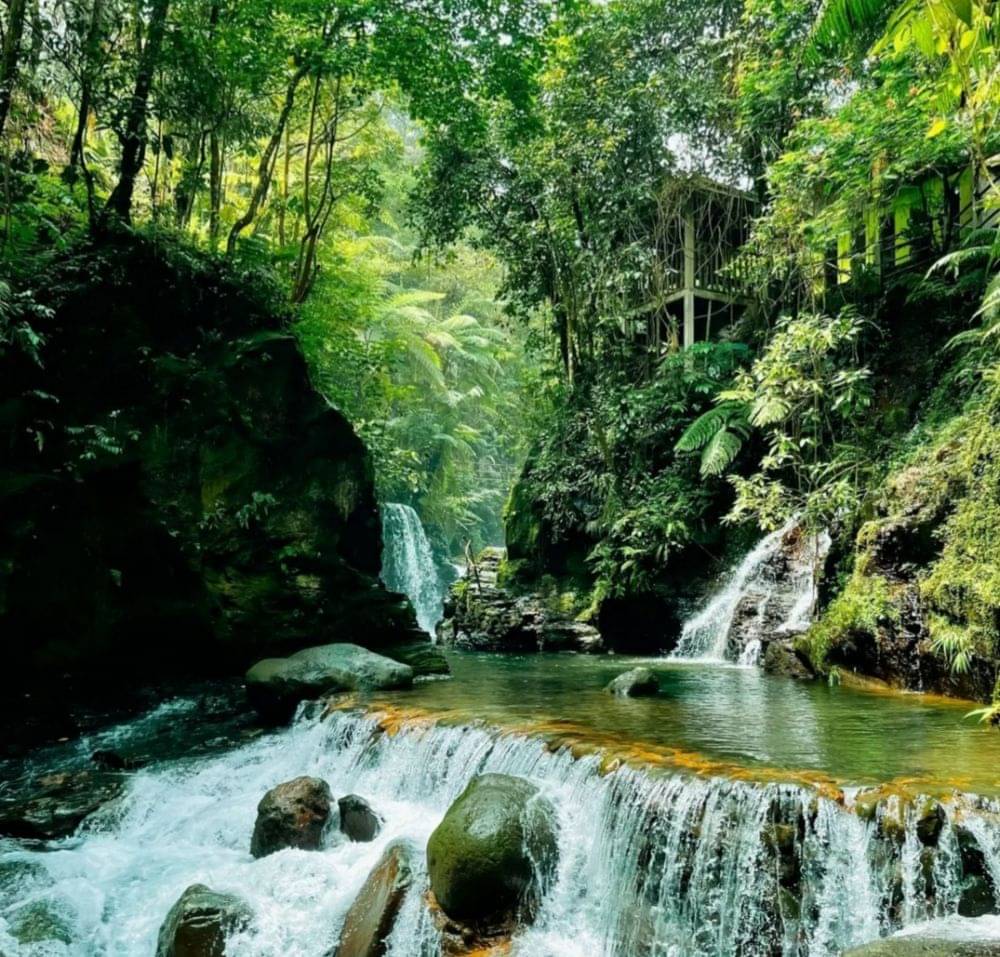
[408, 564]
[771, 592]
[650, 865]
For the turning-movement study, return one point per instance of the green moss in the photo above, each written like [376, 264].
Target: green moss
[867, 603]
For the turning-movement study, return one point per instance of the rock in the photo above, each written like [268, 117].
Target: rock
[39, 922]
[976, 889]
[920, 946]
[423, 657]
[199, 923]
[113, 761]
[358, 821]
[276, 685]
[639, 682]
[782, 659]
[493, 852]
[373, 913]
[293, 814]
[57, 804]
[930, 821]
[249, 533]
[482, 614]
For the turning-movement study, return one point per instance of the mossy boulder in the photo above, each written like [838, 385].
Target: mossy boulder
[781, 658]
[276, 685]
[371, 917]
[199, 924]
[199, 504]
[637, 683]
[293, 814]
[493, 853]
[40, 922]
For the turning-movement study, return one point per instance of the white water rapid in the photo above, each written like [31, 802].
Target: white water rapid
[650, 865]
[770, 592]
[408, 564]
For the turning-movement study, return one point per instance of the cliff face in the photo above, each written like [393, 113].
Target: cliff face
[175, 498]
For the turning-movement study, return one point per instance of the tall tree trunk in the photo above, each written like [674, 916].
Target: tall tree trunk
[282, 212]
[187, 187]
[214, 188]
[10, 57]
[265, 169]
[119, 205]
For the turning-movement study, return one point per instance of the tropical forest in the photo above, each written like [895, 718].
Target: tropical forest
[500, 478]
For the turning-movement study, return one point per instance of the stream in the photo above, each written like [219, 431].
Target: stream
[674, 857]
[735, 813]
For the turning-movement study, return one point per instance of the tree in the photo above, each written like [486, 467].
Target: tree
[134, 137]
[10, 56]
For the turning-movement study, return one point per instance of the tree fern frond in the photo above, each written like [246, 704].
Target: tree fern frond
[720, 452]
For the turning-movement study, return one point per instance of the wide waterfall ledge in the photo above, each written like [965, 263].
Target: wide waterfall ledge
[651, 861]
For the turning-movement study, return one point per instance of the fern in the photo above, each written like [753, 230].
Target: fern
[720, 452]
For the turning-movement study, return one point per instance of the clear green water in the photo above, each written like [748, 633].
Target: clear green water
[716, 718]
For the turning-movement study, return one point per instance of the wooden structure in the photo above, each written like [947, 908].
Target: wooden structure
[701, 290]
[924, 221]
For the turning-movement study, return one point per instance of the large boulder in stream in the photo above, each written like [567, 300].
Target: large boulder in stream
[293, 814]
[637, 683]
[199, 923]
[373, 913]
[493, 853]
[276, 685]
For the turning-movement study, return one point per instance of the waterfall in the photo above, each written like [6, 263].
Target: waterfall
[408, 564]
[770, 593]
[650, 865]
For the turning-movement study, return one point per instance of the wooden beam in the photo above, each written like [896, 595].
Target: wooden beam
[689, 248]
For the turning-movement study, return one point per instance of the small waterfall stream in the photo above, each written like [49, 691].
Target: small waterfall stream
[770, 592]
[650, 865]
[408, 563]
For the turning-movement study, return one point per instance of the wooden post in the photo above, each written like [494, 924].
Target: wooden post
[689, 247]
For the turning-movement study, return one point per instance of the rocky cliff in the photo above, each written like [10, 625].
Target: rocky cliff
[175, 498]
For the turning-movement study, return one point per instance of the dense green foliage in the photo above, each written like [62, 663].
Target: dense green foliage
[471, 210]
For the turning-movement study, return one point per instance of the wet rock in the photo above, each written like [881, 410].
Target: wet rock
[977, 896]
[930, 822]
[373, 913]
[919, 946]
[639, 682]
[460, 940]
[358, 821]
[480, 614]
[200, 922]
[276, 685]
[113, 761]
[57, 804]
[423, 657]
[293, 814]
[496, 848]
[39, 922]
[780, 839]
[780, 658]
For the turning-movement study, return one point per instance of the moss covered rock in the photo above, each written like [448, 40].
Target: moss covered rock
[172, 468]
[493, 852]
[637, 683]
[277, 685]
